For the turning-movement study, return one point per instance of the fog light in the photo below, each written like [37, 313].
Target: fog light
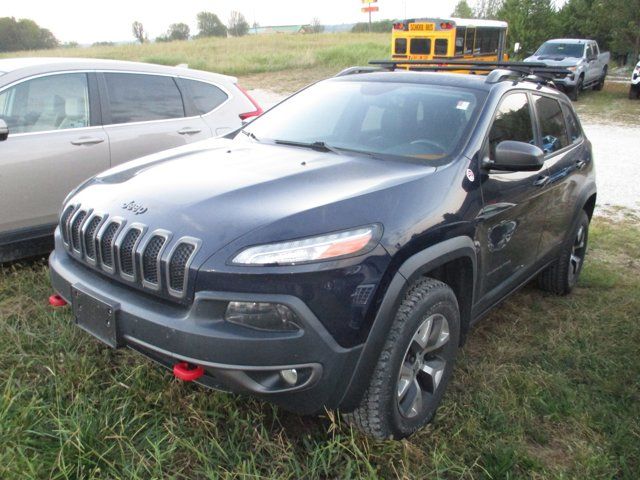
[290, 376]
[262, 316]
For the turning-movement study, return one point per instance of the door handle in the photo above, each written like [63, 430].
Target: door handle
[541, 181]
[87, 141]
[580, 164]
[189, 131]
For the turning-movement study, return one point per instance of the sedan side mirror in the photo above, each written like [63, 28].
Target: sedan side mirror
[4, 130]
[517, 157]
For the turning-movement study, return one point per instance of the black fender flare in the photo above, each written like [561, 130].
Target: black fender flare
[415, 266]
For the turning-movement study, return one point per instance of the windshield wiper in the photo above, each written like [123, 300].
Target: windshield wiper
[323, 147]
[250, 135]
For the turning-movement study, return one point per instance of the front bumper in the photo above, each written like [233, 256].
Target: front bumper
[234, 358]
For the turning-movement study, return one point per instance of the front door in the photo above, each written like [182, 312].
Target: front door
[512, 219]
[51, 149]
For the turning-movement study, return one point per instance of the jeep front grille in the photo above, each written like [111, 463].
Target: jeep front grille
[106, 244]
[76, 225]
[150, 257]
[178, 265]
[128, 252]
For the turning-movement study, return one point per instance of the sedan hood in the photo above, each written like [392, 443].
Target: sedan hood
[218, 190]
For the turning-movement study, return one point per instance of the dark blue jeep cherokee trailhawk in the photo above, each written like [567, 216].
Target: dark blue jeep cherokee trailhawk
[335, 251]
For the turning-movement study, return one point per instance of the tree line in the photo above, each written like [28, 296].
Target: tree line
[615, 24]
[24, 34]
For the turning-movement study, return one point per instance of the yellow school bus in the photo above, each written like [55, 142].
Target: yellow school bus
[449, 39]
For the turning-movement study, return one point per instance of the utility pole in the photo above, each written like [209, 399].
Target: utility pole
[369, 8]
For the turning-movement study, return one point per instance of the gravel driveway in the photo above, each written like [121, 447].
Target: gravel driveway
[616, 148]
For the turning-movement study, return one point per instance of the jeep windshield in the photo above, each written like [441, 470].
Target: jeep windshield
[422, 122]
[554, 49]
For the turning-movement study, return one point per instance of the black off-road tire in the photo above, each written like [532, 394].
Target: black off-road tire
[561, 276]
[379, 413]
[634, 92]
[600, 85]
[575, 92]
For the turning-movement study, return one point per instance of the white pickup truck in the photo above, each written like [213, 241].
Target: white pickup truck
[582, 57]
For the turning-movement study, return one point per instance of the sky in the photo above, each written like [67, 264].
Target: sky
[88, 21]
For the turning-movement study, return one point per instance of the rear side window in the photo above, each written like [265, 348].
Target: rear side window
[421, 46]
[142, 98]
[53, 102]
[441, 46]
[205, 97]
[573, 126]
[460, 34]
[401, 46]
[552, 127]
[469, 41]
[512, 122]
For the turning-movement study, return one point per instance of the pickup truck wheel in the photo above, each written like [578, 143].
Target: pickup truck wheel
[600, 85]
[562, 275]
[415, 365]
[574, 93]
[634, 92]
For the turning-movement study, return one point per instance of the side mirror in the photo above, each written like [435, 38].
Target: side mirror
[516, 47]
[517, 157]
[4, 130]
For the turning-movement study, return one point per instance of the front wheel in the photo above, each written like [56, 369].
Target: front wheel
[634, 92]
[415, 365]
[574, 93]
[562, 275]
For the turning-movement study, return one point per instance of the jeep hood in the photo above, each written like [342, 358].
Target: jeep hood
[219, 190]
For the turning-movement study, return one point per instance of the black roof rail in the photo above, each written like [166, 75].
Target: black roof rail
[536, 72]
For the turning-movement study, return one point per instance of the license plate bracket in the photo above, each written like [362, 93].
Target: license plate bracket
[96, 316]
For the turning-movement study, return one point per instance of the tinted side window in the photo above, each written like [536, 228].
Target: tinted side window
[460, 34]
[421, 46]
[401, 46]
[54, 102]
[552, 127]
[441, 46]
[573, 126]
[205, 97]
[140, 98]
[513, 122]
[469, 41]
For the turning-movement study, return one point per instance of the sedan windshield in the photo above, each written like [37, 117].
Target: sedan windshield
[554, 49]
[418, 121]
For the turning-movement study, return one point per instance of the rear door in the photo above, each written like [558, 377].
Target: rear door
[513, 216]
[566, 156]
[55, 142]
[145, 114]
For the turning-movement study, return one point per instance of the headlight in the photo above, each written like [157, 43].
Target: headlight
[573, 69]
[313, 249]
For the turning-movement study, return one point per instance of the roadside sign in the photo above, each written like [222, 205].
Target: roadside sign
[369, 1]
[370, 9]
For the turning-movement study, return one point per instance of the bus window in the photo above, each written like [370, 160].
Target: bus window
[469, 39]
[460, 33]
[441, 46]
[401, 46]
[420, 46]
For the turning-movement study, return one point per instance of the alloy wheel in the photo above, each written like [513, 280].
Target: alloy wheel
[423, 366]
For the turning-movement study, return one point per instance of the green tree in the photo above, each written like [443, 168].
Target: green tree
[381, 26]
[487, 8]
[587, 19]
[531, 22]
[24, 34]
[138, 31]
[178, 31]
[316, 26]
[209, 25]
[462, 10]
[238, 25]
[626, 27]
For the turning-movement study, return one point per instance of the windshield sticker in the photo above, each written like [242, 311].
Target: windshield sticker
[462, 105]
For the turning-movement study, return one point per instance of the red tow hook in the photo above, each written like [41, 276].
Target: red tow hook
[187, 372]
[56, 300]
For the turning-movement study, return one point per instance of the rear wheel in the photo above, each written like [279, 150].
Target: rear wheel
[634, 92]
[562, 275]
[415, 365]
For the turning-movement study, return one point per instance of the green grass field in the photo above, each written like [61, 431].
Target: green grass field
[546, 387]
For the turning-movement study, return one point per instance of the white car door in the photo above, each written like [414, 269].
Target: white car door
[53, 145]
[144, 114]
